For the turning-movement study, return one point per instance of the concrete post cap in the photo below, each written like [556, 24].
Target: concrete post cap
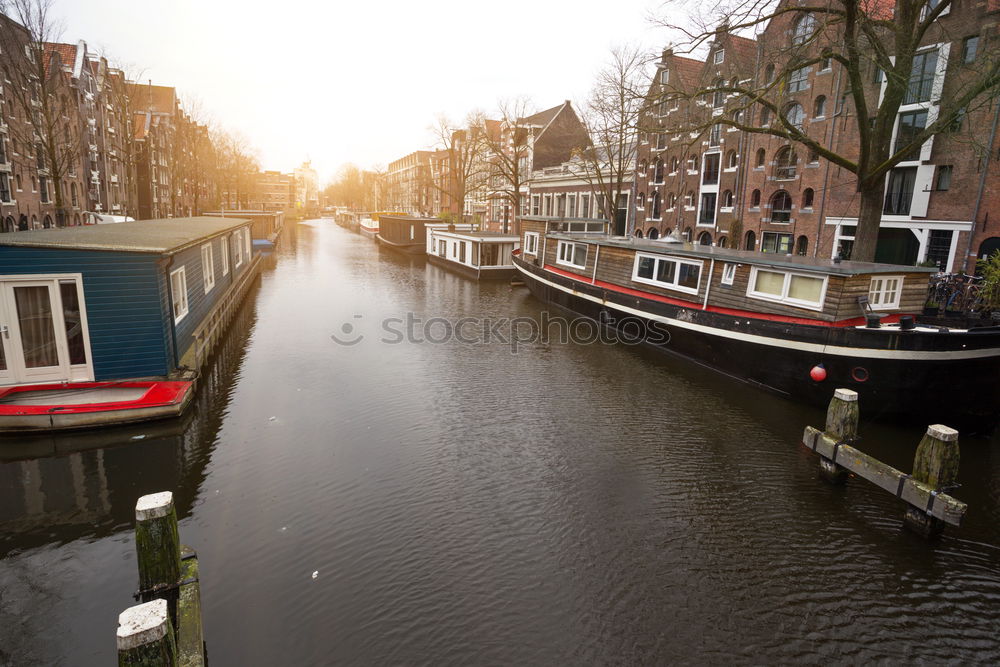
[942, 432]
[154, 506]
[142, 624]
[846, 395]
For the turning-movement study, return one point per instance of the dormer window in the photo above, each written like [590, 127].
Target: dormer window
[665, 77]
[719, 56]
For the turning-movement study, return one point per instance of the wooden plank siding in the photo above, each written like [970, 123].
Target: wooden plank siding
[911, 301]
[200, 303]
[122, 297]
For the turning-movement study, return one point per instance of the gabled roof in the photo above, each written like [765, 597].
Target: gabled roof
[158, 99]
[746, 49]
[542, 118]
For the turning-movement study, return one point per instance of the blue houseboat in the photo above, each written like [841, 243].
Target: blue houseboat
[94, 308]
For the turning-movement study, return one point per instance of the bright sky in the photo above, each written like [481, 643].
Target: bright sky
[359, 81]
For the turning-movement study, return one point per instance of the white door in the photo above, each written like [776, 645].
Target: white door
[42, 331]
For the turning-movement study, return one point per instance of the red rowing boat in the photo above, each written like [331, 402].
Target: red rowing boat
[61, 406]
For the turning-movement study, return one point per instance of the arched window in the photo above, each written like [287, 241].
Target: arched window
[671, 201]
[819, 107]
[692, 162]
[807, 198]
[640, 201]
[719, 96]
[785, 161]
[76, 219]
[727, 199]
[704, 239]
[759, 162]
[643, 165]
[755, 199]
[17, 181]
[795, 115]
[781, 207]
[751, 241]
[8, 225]
[47, 223]
[765, 116]
[802, 246]
[658, 171]
[34, 221]
[769, 73]
[731, 160]
[655, 206]
[689, 199]
[804, 28]
[22, 223]
[72, 190]
[687, 235]
[653, 233]
[722, 242]
[638, 233]
[674, 163]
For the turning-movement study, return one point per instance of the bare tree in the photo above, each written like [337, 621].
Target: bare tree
[509, 155]
[466, 167]
[880, 50]
[52, 127]
[611, 117]
[238, 167]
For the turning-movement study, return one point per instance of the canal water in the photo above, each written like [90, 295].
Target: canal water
[432, 493]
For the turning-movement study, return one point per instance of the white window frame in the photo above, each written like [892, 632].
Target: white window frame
[247, 243]
[238, 248]
[208, 267]
[877, 292]
[784, 298]
[179, 297]
[531, 243]
[224, 251]
[658, 283]
[728, 274]
[561, 253]
[719, 57]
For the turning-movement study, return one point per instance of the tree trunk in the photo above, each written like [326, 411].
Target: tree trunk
[869, 219]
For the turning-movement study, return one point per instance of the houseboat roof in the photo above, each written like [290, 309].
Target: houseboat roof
[731, 255]
[480, 236]
[163, 236]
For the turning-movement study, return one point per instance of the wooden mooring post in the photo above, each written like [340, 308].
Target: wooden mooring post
[935, 466]
[165, 630]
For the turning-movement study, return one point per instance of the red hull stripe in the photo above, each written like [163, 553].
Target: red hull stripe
[749, 314]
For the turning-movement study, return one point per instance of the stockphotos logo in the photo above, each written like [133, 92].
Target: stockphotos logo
[511, 332]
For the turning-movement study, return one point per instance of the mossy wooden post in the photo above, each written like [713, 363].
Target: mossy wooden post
[157, 543]
[145, 636]
[936, 465]
[841, 425]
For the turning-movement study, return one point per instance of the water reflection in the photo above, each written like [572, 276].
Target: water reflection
[57, 488]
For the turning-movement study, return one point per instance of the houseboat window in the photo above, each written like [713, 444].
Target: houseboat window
[885, 291]
[461, 251]
[207, 267]
[572, 254]
[442, 248]
[531, 243]
[792, 288]
[225, 255]
[411, 232]
[246, 243]
[178, 290]
[74, 324]
[728, 274]
[676, 274]
[238, 249]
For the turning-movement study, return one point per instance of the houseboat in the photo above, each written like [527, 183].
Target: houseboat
[103, 319]
[266, 226]
[478, 255]
[405, 234]
[799, 326]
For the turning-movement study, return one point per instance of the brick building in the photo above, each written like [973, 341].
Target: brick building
[274, 191]
[724, 186]
[407, 185]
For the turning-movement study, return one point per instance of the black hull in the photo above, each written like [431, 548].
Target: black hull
[405, 248]
[472, 272]
[897, 375]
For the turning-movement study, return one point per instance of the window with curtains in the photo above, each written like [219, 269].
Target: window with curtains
[207, 267]
[795, 289]
[671, 273]
[178, 292]
[224, 251]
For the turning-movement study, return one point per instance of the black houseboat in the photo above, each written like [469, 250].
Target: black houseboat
[404, 233]
[796, 325]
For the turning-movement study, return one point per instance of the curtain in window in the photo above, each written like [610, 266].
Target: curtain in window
[38, 334]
